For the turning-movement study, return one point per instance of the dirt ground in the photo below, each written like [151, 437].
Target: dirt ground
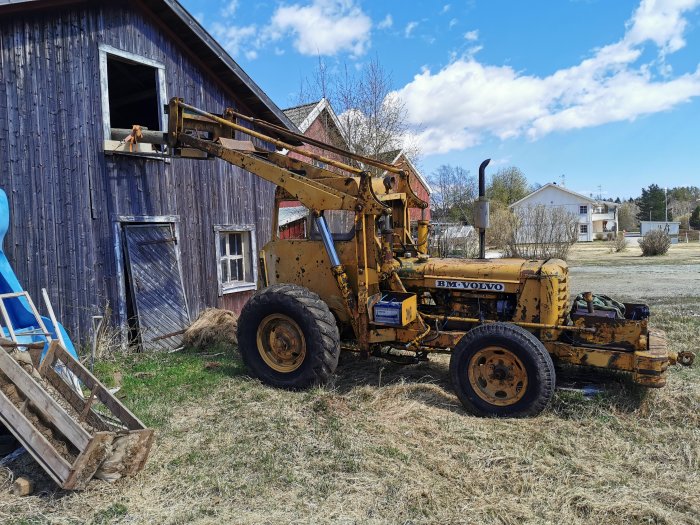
[385, 443]
[630, 276]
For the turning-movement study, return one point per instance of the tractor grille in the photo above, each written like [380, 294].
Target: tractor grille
[563, 299]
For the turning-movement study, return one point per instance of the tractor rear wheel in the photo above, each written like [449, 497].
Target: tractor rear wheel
[500, 369]
[288, 337]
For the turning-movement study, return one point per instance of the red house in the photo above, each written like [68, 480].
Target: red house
[419, 183]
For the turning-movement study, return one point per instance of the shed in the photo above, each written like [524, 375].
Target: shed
[672, 228]
[146, 240]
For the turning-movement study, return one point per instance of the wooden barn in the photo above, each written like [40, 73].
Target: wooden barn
[147, 240]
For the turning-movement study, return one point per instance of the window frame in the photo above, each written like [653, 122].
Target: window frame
[237, 286]
[581, 227]
[109, 145]
[583, 209]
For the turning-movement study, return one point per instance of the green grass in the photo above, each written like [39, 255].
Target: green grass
[153, 385]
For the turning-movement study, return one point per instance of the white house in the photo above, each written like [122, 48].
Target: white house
[595, 217]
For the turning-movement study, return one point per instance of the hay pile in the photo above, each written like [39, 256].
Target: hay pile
[214, 327]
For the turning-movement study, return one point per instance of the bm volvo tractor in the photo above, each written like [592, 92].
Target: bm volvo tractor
[359, 279]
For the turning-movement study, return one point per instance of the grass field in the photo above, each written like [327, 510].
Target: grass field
[389, 444]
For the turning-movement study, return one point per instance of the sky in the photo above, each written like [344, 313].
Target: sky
[603, 95]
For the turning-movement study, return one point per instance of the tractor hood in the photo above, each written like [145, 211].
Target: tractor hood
[491, 275]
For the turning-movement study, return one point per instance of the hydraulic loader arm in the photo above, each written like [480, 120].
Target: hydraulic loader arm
[316, 188]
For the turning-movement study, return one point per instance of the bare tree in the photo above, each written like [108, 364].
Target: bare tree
[539, 232]
[373, 118]
[454, 192]
[627, 216]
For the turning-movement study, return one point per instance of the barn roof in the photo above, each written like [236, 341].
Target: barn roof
[183, 28]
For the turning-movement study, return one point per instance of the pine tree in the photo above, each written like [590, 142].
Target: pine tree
[652, 204]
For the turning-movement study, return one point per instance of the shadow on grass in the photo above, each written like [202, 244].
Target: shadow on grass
[581, 392]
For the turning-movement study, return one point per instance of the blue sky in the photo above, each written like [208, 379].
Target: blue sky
[605, 92]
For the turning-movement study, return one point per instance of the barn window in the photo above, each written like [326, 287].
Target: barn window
[235, 252]
[133, 93]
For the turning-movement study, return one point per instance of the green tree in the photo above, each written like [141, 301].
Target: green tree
[508, 185]
[695, 218]
[652, 204]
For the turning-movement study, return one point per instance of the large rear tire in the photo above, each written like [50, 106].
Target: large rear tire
[502, 370]
[288, 337]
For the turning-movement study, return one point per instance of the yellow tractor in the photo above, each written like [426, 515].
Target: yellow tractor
[360, 280]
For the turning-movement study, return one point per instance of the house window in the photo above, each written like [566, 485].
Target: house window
[235, 252]
[133, 93]
[583, 210]
[583, 228]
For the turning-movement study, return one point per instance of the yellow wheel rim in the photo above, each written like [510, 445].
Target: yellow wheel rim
[497, 376]
[281, 343]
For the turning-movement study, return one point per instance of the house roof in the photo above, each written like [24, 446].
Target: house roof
[292, 214]
[298, 114]
[560, 188]
[305, 115]
[204, 50]
[393, 156]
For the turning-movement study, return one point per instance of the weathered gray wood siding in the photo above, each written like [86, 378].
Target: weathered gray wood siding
[65, 193]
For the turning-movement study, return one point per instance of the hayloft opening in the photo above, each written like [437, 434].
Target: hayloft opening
[133, 94]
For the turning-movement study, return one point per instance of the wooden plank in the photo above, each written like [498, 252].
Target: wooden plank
[118, 409]
[43, 402]
[89, 461]
[145, 442]
[7, 343]
[88, 404]
[35, 443]
[49, 358]
[77, 402]
[8, 322]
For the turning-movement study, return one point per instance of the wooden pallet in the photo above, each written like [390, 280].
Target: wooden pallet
[112, 427]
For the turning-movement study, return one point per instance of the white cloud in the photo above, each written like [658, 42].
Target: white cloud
[386, 23]
[230, 8]
[235, 38]
[467, 100]
[323, 27]
[446, 8]
[453, 22]
[472, 36]
[409, 29]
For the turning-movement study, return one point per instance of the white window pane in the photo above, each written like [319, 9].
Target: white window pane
[224, 272]
[224, 251]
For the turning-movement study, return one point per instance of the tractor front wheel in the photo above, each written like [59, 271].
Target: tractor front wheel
[288, 337]
[501, 369]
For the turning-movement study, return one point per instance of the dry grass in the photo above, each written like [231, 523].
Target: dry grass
[391, 444]
[213, 327]
[597, 253]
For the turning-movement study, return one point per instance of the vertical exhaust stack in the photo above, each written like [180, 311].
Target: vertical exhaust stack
[481, 210]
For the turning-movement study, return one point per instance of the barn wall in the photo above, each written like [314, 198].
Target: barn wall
[66, 193]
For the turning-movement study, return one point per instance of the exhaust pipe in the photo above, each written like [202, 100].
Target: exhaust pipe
[481, 210]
